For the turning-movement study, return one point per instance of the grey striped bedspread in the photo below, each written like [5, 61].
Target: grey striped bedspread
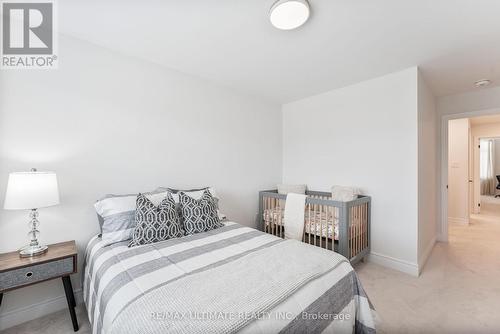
[232, 279]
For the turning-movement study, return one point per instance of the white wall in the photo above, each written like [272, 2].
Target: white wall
[427, 172]
[107, 123]
[363, 135]
[458, 170]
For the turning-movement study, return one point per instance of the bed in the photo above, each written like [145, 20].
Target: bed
[231, 279]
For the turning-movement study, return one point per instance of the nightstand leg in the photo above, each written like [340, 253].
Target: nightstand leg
[70, 298]
[73, 302]
[1, 297]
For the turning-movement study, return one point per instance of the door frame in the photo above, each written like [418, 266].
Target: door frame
[443, 221]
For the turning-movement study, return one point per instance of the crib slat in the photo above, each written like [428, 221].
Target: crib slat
[360, 229]
[278, 217]
[325, 222]
[271, 226]
[264, 205]
[362, 223]
[349, 238]
[281, 221]
[273, 205]
[353, 233]
[321, 227]
[333, 227]
[315, 224]
[365, 224]
[362, 207]
[309, 220]
[356, 225]
[363, 227]
[357, 230]
[271, 215]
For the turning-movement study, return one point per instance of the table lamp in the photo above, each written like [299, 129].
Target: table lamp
[31, 191]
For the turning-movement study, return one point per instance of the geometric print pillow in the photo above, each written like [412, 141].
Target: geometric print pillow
[155, 223]
[199, 215]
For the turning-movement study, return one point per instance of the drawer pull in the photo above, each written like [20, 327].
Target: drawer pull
[29, 274]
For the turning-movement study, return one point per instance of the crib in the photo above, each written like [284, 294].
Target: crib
[342, 227]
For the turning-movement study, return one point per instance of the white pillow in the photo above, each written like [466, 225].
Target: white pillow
[116, 215]
[345, 194]
[194, 193]
[285, 189]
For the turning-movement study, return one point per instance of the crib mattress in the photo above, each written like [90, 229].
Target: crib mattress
[319, 223]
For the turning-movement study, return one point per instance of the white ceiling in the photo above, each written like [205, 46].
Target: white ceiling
[231, 42]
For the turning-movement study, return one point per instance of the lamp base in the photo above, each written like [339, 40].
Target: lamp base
[29, 251]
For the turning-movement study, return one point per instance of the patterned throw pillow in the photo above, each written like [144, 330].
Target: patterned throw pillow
[155, 223]
[199, 215]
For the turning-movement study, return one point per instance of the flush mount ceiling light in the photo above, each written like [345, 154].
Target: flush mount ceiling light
[289, 14]
[482, 83]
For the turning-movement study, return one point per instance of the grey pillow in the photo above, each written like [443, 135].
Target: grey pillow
[199, 215]
[155, 223]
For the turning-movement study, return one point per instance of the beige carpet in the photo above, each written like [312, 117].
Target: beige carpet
[458, 291]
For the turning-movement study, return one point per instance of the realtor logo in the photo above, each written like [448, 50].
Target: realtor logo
[28, 35]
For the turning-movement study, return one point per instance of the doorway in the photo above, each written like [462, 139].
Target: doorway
[472, 167]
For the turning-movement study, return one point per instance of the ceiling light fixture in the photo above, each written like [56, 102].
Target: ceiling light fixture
[289, 14]
[482, 83]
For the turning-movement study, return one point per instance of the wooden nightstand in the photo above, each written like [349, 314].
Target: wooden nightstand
[58, 261]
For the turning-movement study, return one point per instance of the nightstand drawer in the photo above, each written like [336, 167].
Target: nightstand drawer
[35, 273]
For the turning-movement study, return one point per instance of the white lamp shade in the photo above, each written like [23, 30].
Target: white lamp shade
[31, 190]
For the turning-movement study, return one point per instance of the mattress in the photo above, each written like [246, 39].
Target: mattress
[317, 222]
[260, 284]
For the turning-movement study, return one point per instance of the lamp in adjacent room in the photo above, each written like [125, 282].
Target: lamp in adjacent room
[31, 191]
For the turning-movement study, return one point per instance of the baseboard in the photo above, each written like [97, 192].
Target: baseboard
[24, 314]
[425, 255]
[454, 220]
[393, 263]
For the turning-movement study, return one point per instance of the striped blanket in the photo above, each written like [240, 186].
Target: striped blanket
[232, 279]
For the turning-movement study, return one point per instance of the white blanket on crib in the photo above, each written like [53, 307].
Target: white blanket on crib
[294, 216]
